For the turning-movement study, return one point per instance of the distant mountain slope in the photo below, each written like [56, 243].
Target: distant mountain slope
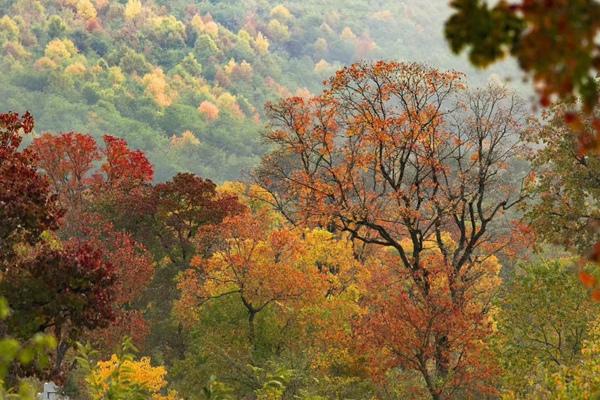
[187, 80]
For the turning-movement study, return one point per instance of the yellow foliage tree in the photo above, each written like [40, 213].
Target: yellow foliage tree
[306, 275]
[76, 68]
[118, 374]
[261, 44]
[86, 9]
[228, 102]
[116, 75]
[9, 30]
[204, 25]
[281, 13]
[186, 140]
[580, 381]
[278, 31]
[132, 9]
[59, 50]
[197, 23]
[45, 63]
[158, 87]
[211, 28]
[347, 34]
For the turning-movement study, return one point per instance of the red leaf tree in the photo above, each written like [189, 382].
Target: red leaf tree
[91, 194]
[27, 206]
[66, 290]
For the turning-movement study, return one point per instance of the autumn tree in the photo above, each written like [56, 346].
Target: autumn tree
[69, 160]
[284, 291]
[566, 185]
[91, 182]
[578, 381]
[123, 376]
[180, 208]
[402, 327]
[66, 290]
[62, 288]
[391, 151]
[255, 264]
[166, 219]
[552, 41]
[134, 270]
[27, 205]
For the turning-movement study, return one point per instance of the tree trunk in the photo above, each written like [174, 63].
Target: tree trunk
[442, 362]
[251, 330]
[61, 351]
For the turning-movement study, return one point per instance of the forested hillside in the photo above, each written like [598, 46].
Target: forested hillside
[299, 200]
[187, 81]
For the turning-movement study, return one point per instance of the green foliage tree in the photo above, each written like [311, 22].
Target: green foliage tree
[13, 353]
[566, 186]
[543, 322]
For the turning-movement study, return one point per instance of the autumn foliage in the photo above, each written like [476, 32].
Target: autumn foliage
[28, 205]
[364, 261]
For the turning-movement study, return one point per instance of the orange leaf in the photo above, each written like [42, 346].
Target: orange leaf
[196, 261]
[587, 279]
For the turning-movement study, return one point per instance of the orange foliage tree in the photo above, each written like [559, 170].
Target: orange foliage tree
[294, 271]
[392, 151]
[403, 326]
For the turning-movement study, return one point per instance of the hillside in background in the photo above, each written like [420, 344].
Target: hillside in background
[186, 81]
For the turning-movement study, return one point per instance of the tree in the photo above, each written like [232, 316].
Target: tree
[285, 298]
[181, 207]
[566, 185]
[90, 195]
[281, 13]
[134, 271]
[34, 350]
[122, 377]
[158, 87]
[578, 381]
[60, 50]
[132, 9]
[67, 290]
[554, 43]
[167, 218]
[123, 169]
[383, 154]
[533, 332]
[392, 151]
[27, 206]
[402, 327]
[86, 189]
[255, 264]
[209, 110]
[67, 160]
